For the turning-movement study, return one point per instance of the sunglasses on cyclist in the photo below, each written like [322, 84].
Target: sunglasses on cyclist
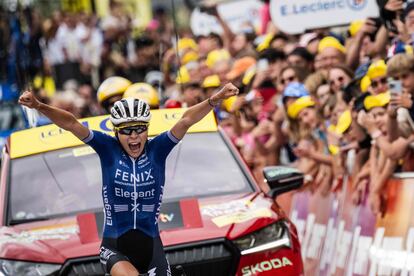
[129, 130]
[374, 84]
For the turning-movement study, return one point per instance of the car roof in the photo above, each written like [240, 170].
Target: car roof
[51, 137]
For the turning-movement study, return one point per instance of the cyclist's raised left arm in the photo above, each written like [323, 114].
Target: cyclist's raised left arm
[60, 117]
[195, 113]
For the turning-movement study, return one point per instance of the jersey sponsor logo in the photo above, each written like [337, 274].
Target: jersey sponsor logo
[123, 164]
[266, 266]
[159, 206]
[135, 207]
[120, 208]
[120, 192]
[107, 207]
[105, 254]
[142, 177]
[152, 272]
[143, 159]
[148, 208]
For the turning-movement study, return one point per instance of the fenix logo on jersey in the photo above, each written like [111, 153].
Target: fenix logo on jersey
[125, 176]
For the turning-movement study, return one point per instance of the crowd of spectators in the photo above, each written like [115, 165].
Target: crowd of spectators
[333, 104]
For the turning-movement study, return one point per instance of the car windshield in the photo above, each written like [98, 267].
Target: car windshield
[68, 181]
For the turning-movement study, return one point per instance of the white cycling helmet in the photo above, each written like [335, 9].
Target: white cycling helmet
[130, 110]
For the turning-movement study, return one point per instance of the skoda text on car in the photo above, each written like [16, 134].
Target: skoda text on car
[214, 220]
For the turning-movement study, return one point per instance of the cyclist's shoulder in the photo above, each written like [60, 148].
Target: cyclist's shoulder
[164, 137]
[99, 139]
[102, 135]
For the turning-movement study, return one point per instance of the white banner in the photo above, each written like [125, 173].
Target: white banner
[239, 15]
[296, 16]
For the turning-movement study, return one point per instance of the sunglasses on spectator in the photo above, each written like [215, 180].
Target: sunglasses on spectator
[400, 77]
[129, 130]
[287, 80]
[374, 84]
[338, 79]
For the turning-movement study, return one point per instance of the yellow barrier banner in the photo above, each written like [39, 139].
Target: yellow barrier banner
[51, 137]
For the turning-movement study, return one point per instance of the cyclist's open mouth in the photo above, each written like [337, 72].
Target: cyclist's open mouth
[134, 146]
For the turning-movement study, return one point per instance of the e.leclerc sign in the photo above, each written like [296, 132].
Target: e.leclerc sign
[296, 16]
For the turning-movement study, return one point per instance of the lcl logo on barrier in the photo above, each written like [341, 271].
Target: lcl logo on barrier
[172, 117]
[104, 126]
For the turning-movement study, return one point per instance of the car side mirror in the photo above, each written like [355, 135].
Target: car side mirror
[282, 179]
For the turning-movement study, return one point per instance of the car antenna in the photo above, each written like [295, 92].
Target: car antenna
[23, 65]
[176, 45]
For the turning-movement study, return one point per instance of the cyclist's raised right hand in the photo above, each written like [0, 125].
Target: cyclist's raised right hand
[29, 100]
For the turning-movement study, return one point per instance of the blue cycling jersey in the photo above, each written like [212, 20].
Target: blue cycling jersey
[132, 188]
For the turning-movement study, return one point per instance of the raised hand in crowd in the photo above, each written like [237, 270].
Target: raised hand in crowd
[394, 5]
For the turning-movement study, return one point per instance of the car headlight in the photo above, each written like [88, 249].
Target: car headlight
[9, 267]
[272, 236]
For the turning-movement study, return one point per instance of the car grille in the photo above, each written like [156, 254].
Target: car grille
[203, 259]
[83, 267]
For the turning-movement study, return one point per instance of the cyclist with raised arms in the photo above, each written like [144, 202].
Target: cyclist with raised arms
[133, 175]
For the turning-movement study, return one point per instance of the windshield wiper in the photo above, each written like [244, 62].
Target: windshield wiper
[20, 221]
[52, 174]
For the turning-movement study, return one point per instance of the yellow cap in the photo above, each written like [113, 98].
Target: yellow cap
[188, 57]
[47, 83]
[265, 43]
[211, 81]
[379, 100]
[297, 106]
[248, 76]
[355, 26]
[330, 42]
[217, 55]
[377, 69]
[143, 91]
[186, 43]
[228, 103]
[344, 122]
[112, 86]
[365, 84]
[183, 76]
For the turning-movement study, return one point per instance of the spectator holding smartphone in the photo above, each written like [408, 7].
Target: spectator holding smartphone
[401, 69]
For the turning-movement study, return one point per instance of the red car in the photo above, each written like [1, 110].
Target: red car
[215, 220]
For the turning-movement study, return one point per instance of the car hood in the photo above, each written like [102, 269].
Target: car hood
[184, 221]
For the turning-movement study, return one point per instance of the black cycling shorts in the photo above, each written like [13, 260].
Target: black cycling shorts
[145, 253]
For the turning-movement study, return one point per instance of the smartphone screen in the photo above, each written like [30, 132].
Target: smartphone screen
[394, 86]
